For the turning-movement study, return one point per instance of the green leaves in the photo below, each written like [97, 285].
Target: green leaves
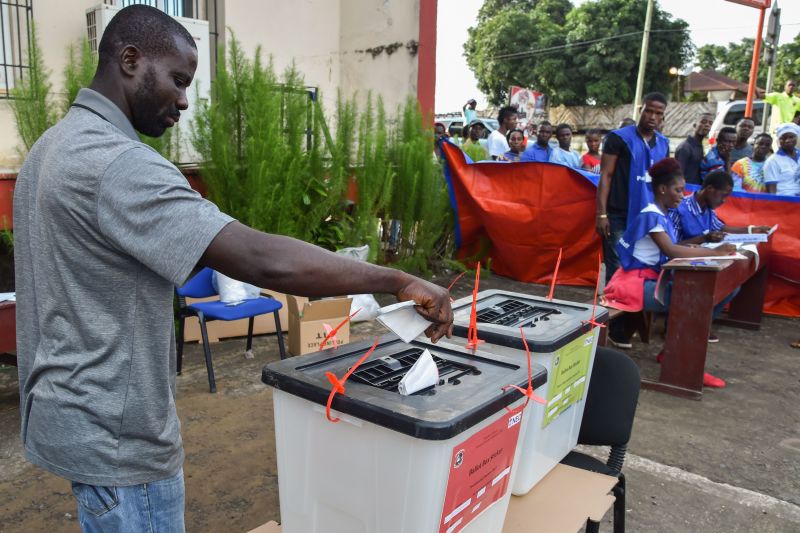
[573, 55]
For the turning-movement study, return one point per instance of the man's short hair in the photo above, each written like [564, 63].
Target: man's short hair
[760, 135]
[718, 179]
[743, 119]
[563, 126]
[594, 131]
[545, 123]
[149, 29]
[655, 97]
[727, 130]
[505, 112]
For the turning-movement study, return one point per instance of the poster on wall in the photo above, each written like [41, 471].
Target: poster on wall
[530, 104]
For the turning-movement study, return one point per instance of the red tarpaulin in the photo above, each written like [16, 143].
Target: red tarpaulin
[521, 214]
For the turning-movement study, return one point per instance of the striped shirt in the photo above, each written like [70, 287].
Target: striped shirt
[691, 220]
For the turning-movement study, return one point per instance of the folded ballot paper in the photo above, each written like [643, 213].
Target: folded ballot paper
[421, 375]
[403, 320]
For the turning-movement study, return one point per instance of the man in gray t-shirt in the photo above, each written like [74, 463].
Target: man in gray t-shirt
[105, 228]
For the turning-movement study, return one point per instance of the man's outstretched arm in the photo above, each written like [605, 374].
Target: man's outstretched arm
[296, 267]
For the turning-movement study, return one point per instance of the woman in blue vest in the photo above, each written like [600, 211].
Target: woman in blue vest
[649, 242]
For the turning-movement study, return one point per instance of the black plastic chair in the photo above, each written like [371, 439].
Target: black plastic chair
[608, 421]
[200, 286]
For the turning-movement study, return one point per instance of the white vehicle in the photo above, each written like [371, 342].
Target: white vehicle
[729, 113]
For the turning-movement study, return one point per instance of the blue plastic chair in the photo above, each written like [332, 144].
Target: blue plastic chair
[200, 286]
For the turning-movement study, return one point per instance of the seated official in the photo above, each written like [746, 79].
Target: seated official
[516, 144]
[695, 220]
[648, 243]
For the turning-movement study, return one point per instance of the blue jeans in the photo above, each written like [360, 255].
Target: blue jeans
[653, 305]
[151, 507]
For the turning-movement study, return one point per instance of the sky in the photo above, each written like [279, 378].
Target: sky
[710, 21]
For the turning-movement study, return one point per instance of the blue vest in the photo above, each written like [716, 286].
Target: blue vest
[693, 225]
[640, 193]
[647, 219]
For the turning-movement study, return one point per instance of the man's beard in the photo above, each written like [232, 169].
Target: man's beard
[144, 109]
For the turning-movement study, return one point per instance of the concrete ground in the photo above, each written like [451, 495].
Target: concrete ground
[730, 462]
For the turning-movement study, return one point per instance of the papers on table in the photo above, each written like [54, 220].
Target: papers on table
[737, 238]
[8, 296]
[737, 257]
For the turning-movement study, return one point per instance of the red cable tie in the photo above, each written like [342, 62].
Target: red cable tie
[338, 386]
[593, 322]
[472, 332]
[454, 282]
[555, 275]
[529, 393]
[335, 330]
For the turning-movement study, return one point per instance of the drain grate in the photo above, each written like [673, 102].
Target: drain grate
[386, 372]
[515, 313]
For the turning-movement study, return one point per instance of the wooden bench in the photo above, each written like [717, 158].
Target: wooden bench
[696, 289]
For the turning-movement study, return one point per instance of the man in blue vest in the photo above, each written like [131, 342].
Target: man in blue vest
[624, 187]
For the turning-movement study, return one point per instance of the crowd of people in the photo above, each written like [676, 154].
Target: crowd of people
[751, 160]
[643, 214]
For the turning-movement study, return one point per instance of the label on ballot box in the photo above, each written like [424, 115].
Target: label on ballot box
[480, 469]
[568, 379]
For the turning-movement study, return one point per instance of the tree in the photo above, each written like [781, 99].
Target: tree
[734, 60]
[566, 52]
[608, 68]
[498, 47]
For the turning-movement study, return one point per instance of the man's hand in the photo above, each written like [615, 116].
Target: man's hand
[603, 227]
[433, 303]
[726, 248]
[715, 236]
[761, 229]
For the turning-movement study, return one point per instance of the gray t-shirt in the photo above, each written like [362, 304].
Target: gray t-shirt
[105, 228]
[739, 153]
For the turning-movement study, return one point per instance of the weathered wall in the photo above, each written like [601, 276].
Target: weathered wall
[352, 45]
[58, 23]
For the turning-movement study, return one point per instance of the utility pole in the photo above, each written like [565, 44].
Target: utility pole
[648, 19]
[770, 53]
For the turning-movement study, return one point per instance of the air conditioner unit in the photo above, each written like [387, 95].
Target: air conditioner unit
[97, 19]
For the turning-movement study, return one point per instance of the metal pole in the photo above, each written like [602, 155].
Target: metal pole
[643, 58]
[766, 112]
[751, 88]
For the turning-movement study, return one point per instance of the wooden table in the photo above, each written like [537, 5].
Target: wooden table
[8, 334]
[696, 289]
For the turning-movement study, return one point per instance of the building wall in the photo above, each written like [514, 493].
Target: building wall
[352, 45]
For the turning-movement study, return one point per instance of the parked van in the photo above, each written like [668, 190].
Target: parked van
[729, 113]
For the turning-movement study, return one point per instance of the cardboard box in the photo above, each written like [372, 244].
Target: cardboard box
[221, 329]
[307, 322]
[560, 503]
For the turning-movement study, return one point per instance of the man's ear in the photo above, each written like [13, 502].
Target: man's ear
[130, 59]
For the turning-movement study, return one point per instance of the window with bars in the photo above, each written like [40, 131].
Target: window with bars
[195, 9]
[15, 27]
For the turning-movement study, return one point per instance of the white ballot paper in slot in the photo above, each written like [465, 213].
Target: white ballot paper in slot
[421, 375]
[403, 320]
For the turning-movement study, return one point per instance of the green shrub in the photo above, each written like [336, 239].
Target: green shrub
[78, 72]
[31, 99]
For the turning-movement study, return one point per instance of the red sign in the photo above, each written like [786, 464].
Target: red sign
[759, 4]
[480, 468]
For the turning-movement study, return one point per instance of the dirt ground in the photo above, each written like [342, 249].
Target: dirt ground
[730, 462]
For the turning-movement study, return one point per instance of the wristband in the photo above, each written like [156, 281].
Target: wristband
[750, 228]
[602, 216]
